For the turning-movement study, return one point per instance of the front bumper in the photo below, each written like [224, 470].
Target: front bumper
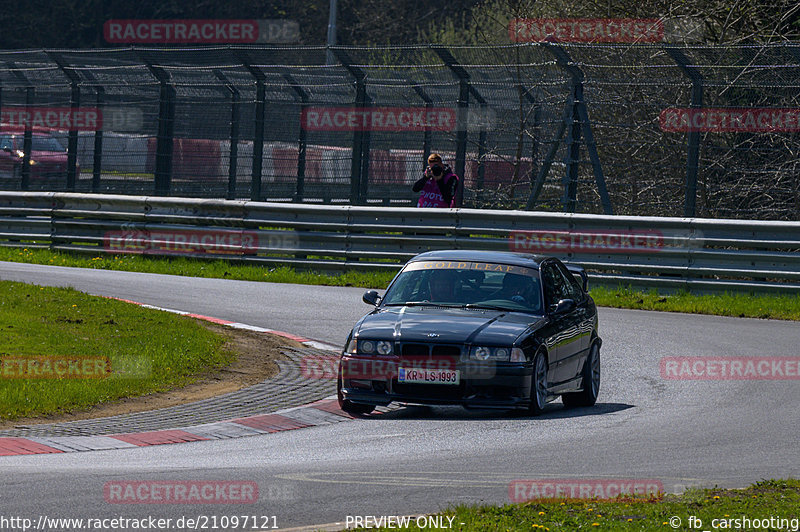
[501, 385]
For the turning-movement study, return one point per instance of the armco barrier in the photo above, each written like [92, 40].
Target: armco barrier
[666, 253]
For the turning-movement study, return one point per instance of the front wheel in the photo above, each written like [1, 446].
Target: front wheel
[354, 409]
[538, 385]
[591, 381]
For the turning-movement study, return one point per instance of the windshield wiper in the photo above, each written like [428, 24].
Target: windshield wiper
[422, 304]
[487, 307]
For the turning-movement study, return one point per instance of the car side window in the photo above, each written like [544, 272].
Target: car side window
[6, 142]
[555, 285]
[575, 288]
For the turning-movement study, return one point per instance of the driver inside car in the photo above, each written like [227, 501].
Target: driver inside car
[442, 286]
[517, 288]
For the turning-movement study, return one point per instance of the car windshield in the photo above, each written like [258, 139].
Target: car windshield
[466, 284]
[40, 143]
[44, 143]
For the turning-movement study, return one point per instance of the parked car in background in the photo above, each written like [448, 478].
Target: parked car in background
[48, 155]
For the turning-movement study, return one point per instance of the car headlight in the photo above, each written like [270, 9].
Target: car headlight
[498, 353]
[369, 347]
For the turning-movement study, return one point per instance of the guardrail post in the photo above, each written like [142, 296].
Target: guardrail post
[693, 138]
[302, 142]
[233, 153]
[359, 170]
[74, 102]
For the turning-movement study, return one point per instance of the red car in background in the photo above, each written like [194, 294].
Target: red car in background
[48, 156]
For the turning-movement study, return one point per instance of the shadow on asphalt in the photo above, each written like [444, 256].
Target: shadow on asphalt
[552, 411]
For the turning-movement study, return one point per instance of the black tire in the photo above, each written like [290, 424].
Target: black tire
[538, 385]
[354, 409]
[591, 381]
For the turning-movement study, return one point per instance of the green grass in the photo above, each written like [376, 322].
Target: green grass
[784, 307]
[220, 269]
[148, 350]
[773, 498]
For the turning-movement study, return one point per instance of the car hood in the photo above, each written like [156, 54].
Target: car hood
[473, 326]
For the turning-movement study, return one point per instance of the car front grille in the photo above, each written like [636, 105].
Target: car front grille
[426, 350]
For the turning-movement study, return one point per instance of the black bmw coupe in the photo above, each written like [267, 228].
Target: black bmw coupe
[475, 328]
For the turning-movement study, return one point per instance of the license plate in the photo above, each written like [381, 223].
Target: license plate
[428, 376]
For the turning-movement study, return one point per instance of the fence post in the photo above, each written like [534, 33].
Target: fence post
[27, 139]
[166, 127]
[461, 120]
[578, 117]
[97, 155]
[573, 159]
[74, 102]
[536, 189]
[258, 136]
[302, 142]
[359, 170]
[693, 138]
[481, 144]
[233, 153]
[426, 135]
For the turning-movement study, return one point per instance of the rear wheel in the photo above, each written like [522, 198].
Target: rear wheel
[355, 409]
[538, 385]
[591, 381]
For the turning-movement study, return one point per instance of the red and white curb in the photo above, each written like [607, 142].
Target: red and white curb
[322, 412]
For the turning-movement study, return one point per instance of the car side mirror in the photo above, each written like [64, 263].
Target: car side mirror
[564, 306]
[371, 297]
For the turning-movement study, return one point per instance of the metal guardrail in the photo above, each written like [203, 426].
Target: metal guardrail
[665, 253]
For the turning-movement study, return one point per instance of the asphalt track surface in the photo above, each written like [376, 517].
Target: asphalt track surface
[414, 460]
